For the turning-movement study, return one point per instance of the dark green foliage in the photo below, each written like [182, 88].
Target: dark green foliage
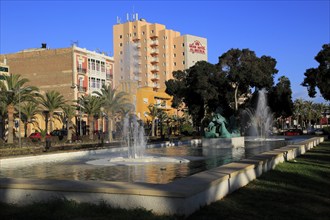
[319, 77]
[280, 98]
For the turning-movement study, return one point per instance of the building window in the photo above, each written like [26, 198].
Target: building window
[183, 62]
[174, 63]
[183, 53]
[142, 32]
[121, 52]
[174, 46]
[152, 31]
[121, 44]
[93, 64]
[97, 65]
[174, 55]
[98, 83]
[102, 67]
[120, 36]
[93, 82]
[182, 44]
[164, 55]
[134, 34]
[103, 82]
[134, 26]
[164, 73]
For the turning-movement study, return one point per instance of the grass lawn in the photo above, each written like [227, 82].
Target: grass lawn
[298, 189]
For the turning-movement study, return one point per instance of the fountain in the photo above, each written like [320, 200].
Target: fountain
[261, 118]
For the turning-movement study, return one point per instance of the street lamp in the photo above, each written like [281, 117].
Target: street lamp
[19, 114]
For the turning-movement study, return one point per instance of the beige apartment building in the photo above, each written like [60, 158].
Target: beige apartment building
[146, 54]
[72, 71]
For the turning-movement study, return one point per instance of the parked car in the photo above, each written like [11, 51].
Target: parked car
[36, 136]
[318, 131]
[59, 133]
[293, 132]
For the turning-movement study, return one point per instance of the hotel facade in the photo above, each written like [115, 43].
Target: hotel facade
[146, 55]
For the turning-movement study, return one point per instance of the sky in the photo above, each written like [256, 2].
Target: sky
[292, 32]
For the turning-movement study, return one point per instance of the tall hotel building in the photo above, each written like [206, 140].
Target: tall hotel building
[146, 55]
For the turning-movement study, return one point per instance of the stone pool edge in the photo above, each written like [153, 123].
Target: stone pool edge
[181, 197]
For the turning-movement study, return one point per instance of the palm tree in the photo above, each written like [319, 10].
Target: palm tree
[298, 111]
[112, 101]
[69, 112]
[52, 101]
[13, 93]
[91, 106]
[29, 111]
[153, 113]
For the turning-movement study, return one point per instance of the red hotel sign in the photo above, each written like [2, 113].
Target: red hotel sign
[197, 47]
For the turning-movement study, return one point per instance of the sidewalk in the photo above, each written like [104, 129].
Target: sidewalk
[298, 189]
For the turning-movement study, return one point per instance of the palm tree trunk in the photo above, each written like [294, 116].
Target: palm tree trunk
[91, 126]
[153, 128]
[110, 129]
[10, 110]
[50, 122]
[69, 129]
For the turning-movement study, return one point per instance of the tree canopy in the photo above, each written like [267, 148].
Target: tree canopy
[280, 98]
[204, 87]
[319, 77]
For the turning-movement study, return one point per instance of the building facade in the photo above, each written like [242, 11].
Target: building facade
[72, 71]
[146, 54]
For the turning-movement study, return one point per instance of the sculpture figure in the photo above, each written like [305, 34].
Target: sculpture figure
[217, 128]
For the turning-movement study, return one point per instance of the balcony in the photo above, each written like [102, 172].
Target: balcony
[154, 60]
[156, 86]
[137, 54]
[137, 45]
[154, 77]
[136, 39]
[154, 69]
[81, 70]
[154, 43]
[154, 36]
[154, 52]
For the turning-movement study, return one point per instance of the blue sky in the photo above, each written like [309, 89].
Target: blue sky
[292, 32]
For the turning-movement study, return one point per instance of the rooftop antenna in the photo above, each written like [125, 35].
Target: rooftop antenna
[75, 43]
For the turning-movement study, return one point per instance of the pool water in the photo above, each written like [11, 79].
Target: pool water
[159, 173]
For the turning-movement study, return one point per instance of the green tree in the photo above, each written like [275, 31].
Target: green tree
[69, 112]
[319, 77]
[280, 98]
[298, 111]
[13, 92]
[201, 88]
[91, 106]
[51, 101]
[153, 113]
[29, 111]
[112, 101]
[244, 70]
